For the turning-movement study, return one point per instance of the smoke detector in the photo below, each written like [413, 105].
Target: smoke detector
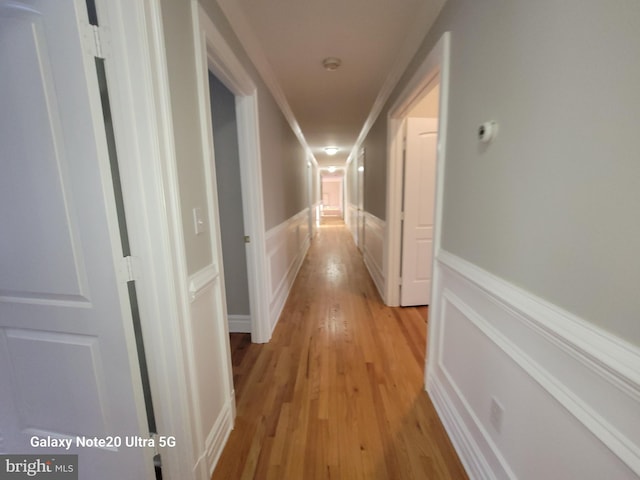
[331, 63]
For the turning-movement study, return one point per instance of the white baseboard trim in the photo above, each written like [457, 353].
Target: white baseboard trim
[464, 442]
[548, 367]
[239, 323]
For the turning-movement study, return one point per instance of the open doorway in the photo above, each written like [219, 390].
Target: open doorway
[424, 96]
[227, 161]
[420, 132]
[332, 192]
[432, 73]
[216, 57]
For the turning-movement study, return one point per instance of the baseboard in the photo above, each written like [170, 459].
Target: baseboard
[239, 323]
[569, 390]
[470, 454]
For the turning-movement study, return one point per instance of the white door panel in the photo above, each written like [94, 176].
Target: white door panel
[419, 200]
[67, 352]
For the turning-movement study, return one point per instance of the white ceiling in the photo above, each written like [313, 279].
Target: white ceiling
[288, 39]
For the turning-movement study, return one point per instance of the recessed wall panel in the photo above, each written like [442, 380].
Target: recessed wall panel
[62, 393]
[33, 200]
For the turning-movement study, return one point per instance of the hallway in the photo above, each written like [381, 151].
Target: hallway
[338, 392]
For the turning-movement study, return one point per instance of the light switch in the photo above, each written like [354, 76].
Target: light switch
[198, 220]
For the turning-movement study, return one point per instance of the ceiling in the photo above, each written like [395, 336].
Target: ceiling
[288, 39]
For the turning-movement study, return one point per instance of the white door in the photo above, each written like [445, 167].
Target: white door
[419, 200]
[68, 364]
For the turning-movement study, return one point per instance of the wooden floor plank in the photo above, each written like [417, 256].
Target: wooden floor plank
[338, 392]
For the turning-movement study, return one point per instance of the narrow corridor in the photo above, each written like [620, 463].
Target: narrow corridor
[338, 392]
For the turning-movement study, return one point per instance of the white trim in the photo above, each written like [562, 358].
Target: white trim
[374, 229]
[611, 357]
[435, 64]
[215, 54]
[200, 280]
[217, 438]
[144, 131]
[208, 275]
[239, 323]
[587, 373]
[287, 249]
[463, 441]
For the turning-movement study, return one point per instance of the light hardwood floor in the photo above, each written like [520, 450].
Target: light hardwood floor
[339, 392]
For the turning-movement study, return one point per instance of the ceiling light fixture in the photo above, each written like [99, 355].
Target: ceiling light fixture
[331, 150]
[331, 63]
[332, 169]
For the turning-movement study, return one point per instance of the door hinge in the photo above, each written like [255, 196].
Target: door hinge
[93, 41]
[128, 270]
[247, 239]
[400, 281]
[156, 449]
[402, 216]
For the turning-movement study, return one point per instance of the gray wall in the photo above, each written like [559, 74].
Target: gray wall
[375, 171]
[553, 204]
[227, 158]
[284, 161]
[180, 54]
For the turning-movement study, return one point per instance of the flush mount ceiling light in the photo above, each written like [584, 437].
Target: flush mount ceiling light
[331, 150]
[332, 169]
[331, 63]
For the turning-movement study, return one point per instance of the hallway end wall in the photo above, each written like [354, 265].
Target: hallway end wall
[537, 272]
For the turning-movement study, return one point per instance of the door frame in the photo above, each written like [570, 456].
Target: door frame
[435, 65]
[141, 111]
[215, 55]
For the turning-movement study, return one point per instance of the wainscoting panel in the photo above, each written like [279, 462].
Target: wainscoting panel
[525, 389]
[217, 437]
[351, 219]
[374, 229]
[209, 378]
[287, 245]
